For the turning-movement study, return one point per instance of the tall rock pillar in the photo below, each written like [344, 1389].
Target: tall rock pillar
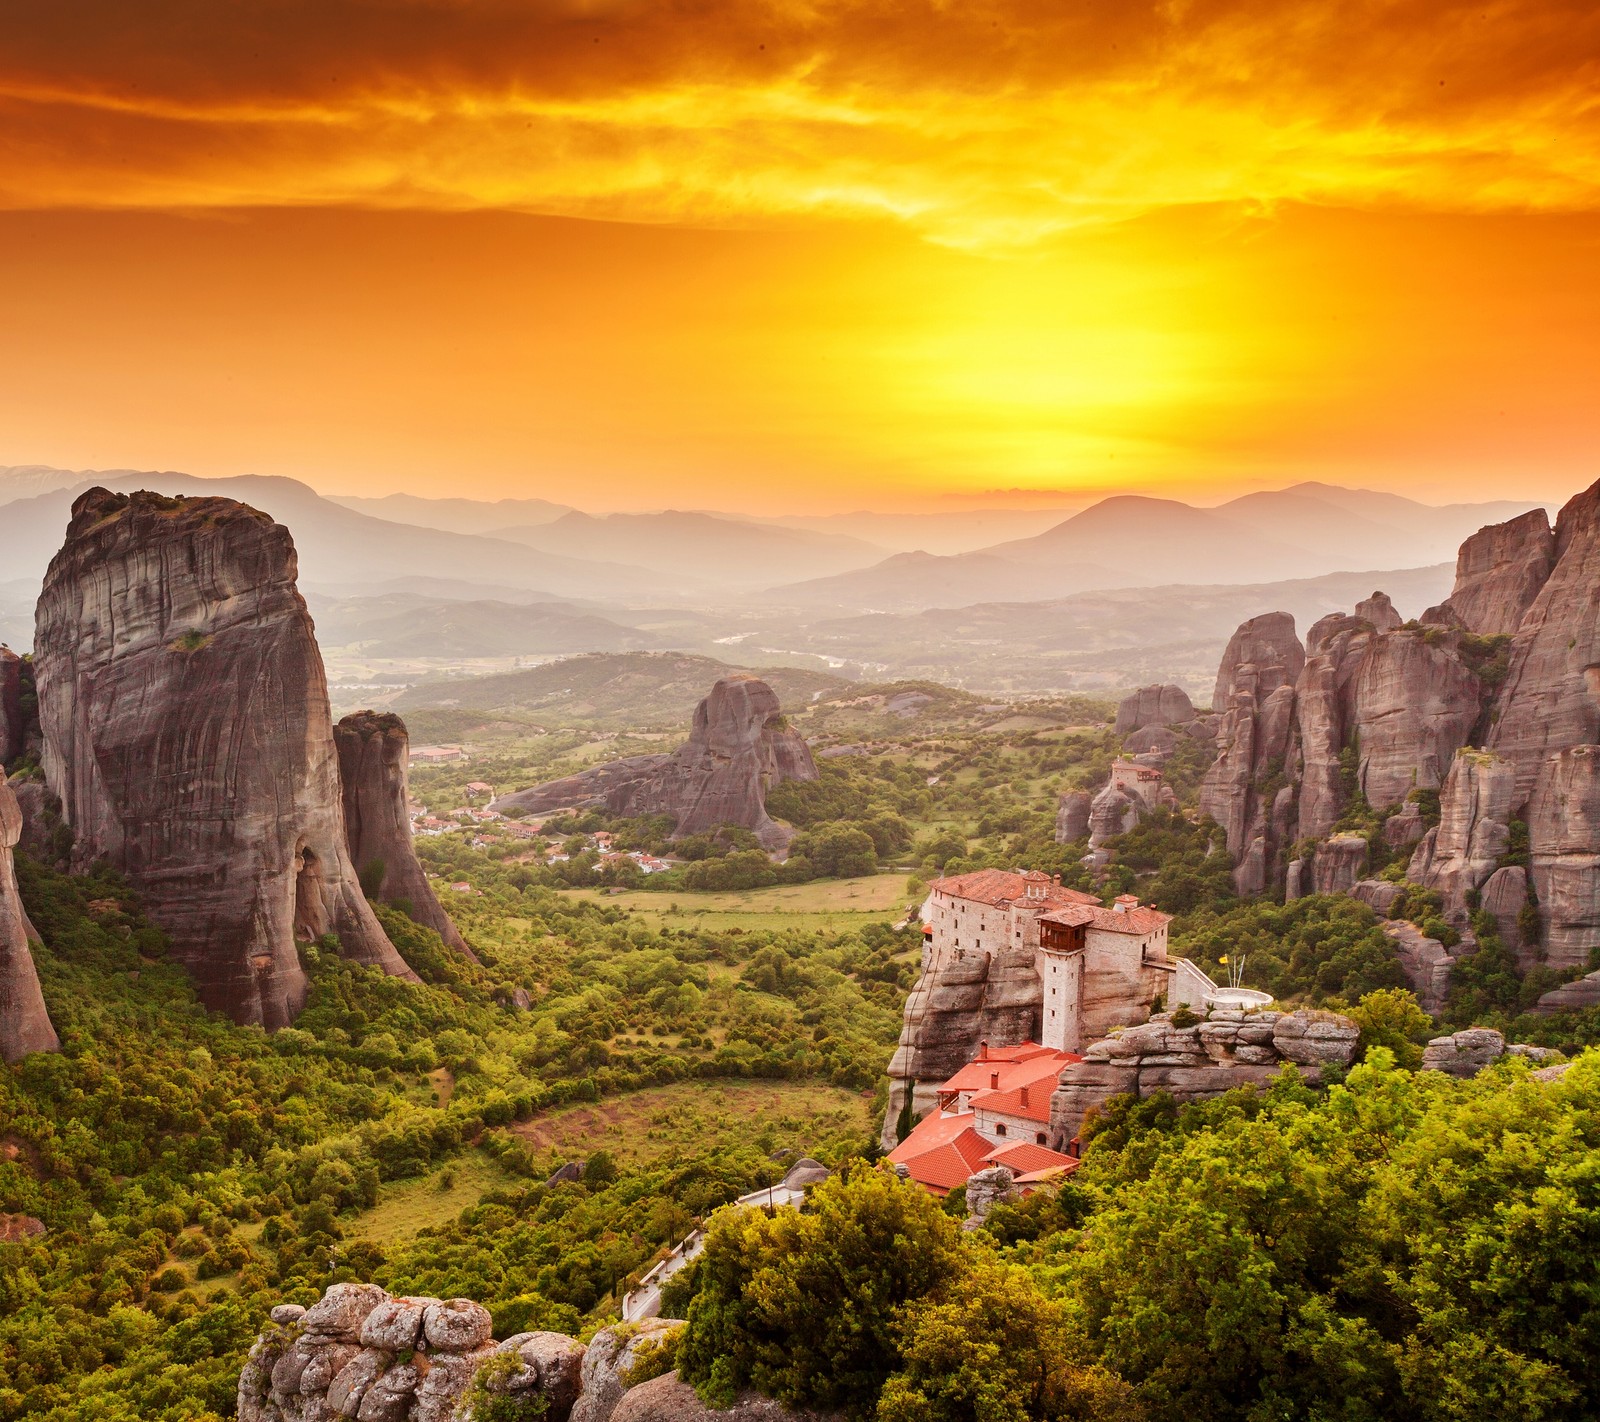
[187, 733]
[24, 1022]
[373, 754]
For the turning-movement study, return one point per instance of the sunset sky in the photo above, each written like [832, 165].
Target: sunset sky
[797, 257]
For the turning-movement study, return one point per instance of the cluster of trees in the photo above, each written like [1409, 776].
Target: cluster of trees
[1401, 1246]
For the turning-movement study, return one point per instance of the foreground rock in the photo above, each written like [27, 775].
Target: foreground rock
[24, 1023]
[187, 734]
[359, 1352]
[739, 747]
[665, 1399]
[373, 758]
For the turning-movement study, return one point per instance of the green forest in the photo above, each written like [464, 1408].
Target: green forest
[1401, 1245]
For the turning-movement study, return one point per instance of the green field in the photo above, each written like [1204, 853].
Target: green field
[822, 904]
[691, 1117]
[436, 1198]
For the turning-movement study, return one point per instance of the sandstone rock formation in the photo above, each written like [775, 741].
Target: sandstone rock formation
[1167, 705]
[1466, 1053]
[1113, 811]
[1229, 1048]
[948, 1013]
[1339, 862]
[1379, 611]
[594, 787]
[739, 747]
[1255, 744]
[1464, 848]
[11, 728]
[1564, 840]
[1426, 962]
[611, 1355]
[187, 734]
[1548, 701]
[1503, 897]
[360, 1353]
[1072, 816]
[24, 1022]
[1499, 572]
[373, 754]
[1571, 997]
[665, 1399]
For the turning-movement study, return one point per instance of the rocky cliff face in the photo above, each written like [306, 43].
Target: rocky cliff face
[1564, 837]
[24, 1022]
[1550, 699]
[373, 756]
[11, 728]
[948, 1013]
[1499, 573]
[187, 734]
[1166, 705]
[1401, 700]
[1255, 743]
[739, 748]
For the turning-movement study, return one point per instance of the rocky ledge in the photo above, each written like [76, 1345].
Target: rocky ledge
[1228, 1048]
[359, 1352]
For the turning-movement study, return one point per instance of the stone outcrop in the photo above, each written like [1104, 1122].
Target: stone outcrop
[1475, 810]
[1338, 863]
[1466, 1053]
[187, 734]
[24, 1022]
[611, 1355]
[1564, 843]
[738, 748]
[373, 755]
[1503, 897]
[1377, 894]
[1229, 1048]
[12, 730]
[1166, 705]
[1378, 611]
[665, 1399]
[1571, 997]
[592, 788]
[1426, 962]
[1255, 744]
[1499, 572]
[360, 1353]
[1113, 811]
[1548, 701]
[993, 1186]
[1413, 705]
[1072, 816]
[1270, 647]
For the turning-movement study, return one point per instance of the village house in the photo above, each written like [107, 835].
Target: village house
[994, 1111]
[435, 755]
[479, 790]
[1098, 967]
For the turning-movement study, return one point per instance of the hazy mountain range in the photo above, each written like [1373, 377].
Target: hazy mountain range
[1128, 589]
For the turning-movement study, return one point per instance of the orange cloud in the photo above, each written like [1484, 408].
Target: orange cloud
[975, 124]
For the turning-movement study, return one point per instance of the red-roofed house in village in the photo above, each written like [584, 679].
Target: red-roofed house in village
[994, 1111]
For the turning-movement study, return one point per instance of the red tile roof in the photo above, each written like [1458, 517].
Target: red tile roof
[1140, 920]
[1026, 1158]
[941, 1152]
[1004, 886]
[1005, 1063]
[1030, 1100]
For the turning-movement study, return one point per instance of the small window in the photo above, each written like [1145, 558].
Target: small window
[1000, 1130]
[1039, 1139]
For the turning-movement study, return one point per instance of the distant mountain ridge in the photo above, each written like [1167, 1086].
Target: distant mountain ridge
[1131, 540]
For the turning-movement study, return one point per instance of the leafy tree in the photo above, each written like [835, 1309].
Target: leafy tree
[802, 1306]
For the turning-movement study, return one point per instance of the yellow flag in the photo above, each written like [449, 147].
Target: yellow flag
[1223, 958]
